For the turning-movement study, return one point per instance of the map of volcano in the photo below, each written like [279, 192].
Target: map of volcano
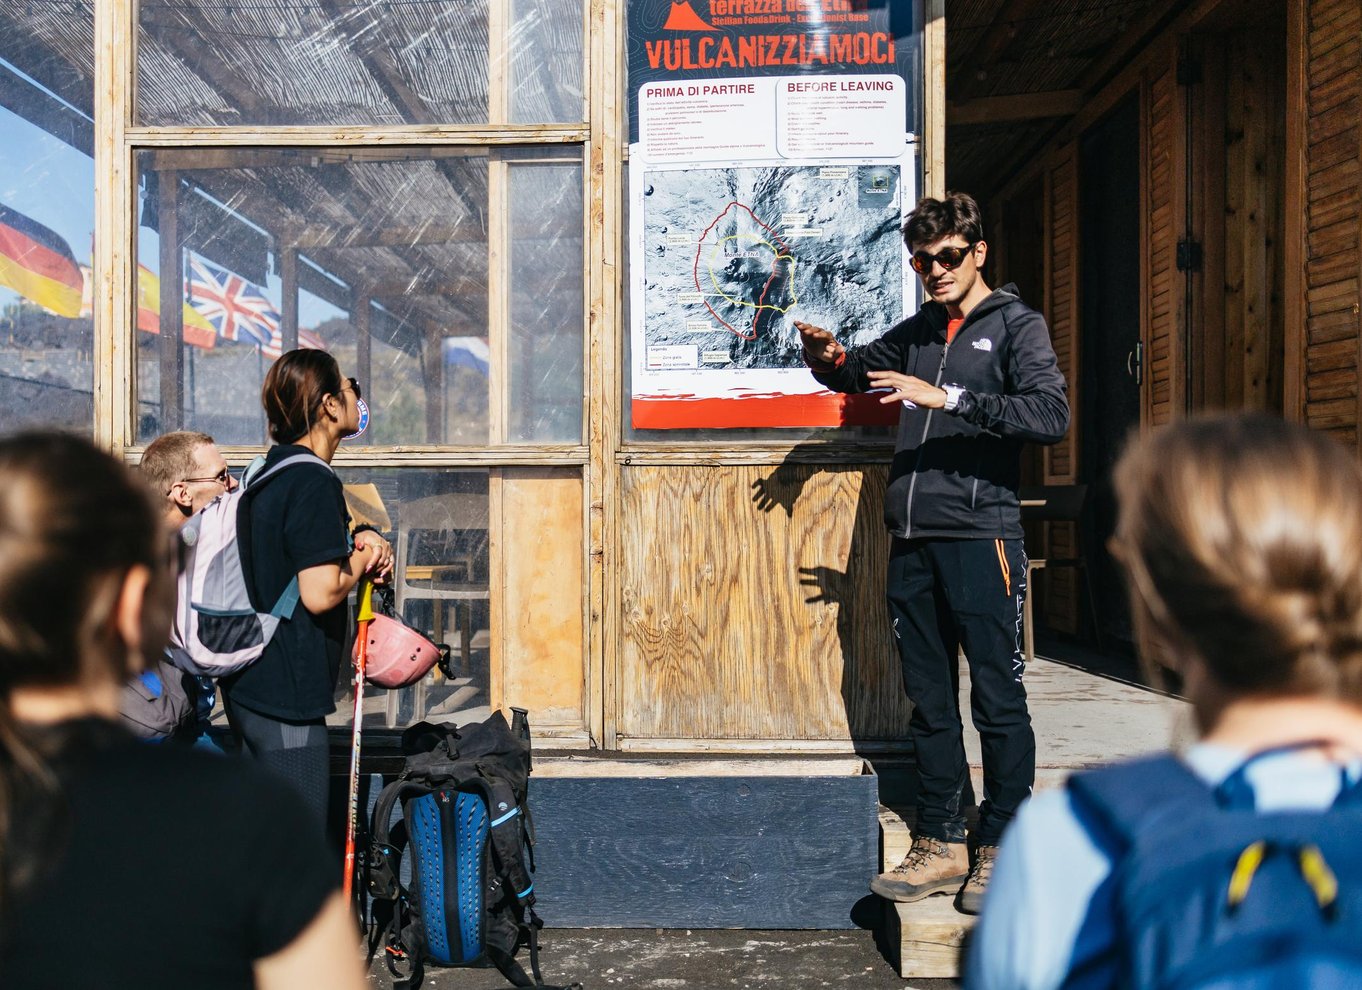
[732, 256]
[733, 262]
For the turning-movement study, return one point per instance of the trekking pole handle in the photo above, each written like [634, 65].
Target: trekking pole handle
[366, 599]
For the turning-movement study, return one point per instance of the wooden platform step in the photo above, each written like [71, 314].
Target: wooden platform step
[926, 938]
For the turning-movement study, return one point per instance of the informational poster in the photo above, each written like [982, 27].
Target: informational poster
[770, 172]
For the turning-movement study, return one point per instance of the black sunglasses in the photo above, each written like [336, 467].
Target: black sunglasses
[354, 387]
[949, 258]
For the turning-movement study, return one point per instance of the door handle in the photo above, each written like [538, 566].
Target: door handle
[1135, 363]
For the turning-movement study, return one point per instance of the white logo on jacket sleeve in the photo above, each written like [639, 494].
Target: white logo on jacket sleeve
[983, 344]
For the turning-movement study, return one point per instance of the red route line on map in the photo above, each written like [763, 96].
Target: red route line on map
[761, 300]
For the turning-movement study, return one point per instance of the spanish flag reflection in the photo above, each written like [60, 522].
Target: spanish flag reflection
[36, 263]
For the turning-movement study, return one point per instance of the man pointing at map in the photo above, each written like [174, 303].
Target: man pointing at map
[977, 377]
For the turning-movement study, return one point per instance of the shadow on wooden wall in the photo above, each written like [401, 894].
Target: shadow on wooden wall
[753, 604]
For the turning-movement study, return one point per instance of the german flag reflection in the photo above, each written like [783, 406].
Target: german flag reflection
[38, 264]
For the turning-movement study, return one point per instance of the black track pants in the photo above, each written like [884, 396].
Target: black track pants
[946, 594]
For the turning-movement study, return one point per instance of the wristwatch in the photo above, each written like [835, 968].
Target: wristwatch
[953, 393]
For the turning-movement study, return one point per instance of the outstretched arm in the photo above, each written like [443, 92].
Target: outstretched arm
[846, 369]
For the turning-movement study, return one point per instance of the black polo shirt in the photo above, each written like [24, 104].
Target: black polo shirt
[297, 520]
[159, 868]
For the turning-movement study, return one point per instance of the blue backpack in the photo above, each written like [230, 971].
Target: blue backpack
[1210, 894]
[449, 880]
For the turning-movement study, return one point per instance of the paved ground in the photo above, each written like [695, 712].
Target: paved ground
[698, 960]
[1088, 709]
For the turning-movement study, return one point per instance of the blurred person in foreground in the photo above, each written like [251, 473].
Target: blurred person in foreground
[1236, 862]
[89, 817]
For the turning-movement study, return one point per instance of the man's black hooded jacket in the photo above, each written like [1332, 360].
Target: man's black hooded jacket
[955, 474]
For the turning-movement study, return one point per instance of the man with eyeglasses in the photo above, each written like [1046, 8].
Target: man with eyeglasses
[186, 471]
[976, 377]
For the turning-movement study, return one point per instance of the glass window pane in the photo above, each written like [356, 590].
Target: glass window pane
[381, 256]
[547, 283]
[46, 216]
[271, 62]
[467, 542]
[545, 52]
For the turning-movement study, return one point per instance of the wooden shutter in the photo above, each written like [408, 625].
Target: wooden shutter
[1162, 282]
[1060, 599]
[1062, 299]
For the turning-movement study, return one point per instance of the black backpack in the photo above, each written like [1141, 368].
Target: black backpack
[468, 838]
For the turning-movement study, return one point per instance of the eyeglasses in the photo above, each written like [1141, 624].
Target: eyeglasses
[949, 258]
[354, 387]
[223, 478]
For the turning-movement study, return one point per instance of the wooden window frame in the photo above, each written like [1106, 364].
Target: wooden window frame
[602, 141]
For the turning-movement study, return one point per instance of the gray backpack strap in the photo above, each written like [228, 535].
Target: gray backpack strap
[288, 601]
[255, 476]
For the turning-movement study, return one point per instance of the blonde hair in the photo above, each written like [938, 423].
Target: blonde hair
[1242, 538]
[170, 458]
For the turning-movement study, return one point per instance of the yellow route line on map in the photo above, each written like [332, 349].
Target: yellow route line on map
[794, 299]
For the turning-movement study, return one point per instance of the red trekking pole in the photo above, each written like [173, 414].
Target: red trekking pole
[366, 614]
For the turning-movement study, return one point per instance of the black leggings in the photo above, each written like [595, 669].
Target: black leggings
[297, 751]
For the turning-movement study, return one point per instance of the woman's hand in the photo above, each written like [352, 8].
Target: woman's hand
[380, 563]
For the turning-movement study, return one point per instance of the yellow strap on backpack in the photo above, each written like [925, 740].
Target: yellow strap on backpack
[1315, 869]
[1244, 870]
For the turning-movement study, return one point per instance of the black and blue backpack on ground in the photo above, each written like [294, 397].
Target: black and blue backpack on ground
[466, 840]
[1210, 893]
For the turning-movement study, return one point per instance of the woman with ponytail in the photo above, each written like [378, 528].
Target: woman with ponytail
[1231, 862]
[298, 527]
[124, 865]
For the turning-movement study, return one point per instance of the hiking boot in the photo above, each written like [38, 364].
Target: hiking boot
[972, 893]
[931, 867]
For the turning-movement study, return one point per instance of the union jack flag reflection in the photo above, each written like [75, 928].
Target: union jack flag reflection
[239, 310]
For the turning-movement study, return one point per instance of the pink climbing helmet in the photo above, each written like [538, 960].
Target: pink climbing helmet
[397, 655]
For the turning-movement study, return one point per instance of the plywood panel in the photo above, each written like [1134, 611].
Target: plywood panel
[752, 605]
[541, 561]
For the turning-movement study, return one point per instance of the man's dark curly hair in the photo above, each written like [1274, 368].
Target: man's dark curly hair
[933, 219]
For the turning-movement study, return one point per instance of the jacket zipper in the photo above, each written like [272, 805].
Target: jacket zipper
[926, 425]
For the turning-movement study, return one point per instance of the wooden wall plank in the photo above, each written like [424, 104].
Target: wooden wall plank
[1325, 291]
[1254, 223]
[752, 605]
[934, 99]
[114, 251]
[604, 378]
